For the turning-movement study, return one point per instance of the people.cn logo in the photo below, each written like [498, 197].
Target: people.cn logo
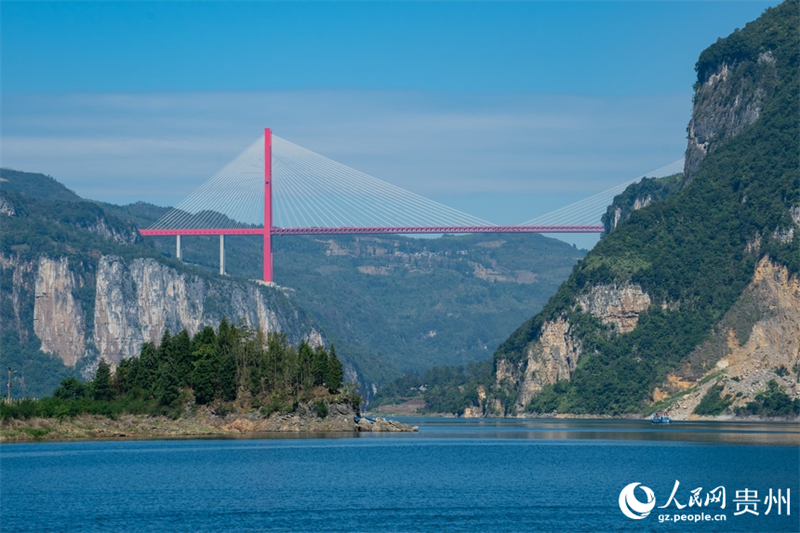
[633, 508]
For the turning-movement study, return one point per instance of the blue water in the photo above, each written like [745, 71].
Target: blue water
[454, 475]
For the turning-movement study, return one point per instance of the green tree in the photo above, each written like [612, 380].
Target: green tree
[182, 357]
[227, 378]
[205, 337]
[277, 365]
[101, 384]
[304, 373]
[71, 388]
[320, 368]
[125, 378]
[335, 372]
[205, 375]
[164, 350]
[167, 387]
[148, 368]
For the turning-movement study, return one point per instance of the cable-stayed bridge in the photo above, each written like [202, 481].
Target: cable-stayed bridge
[276, 187]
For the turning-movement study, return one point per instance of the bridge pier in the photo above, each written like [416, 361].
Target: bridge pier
[178, 247]
[222, 255]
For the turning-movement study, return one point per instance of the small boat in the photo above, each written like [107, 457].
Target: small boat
[660, 417]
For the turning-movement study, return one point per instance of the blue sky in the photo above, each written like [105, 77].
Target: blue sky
[506, 110]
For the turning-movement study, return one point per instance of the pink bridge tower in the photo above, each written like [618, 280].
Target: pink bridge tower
[267, 205]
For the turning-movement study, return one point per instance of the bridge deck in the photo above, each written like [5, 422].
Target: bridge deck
[377, 230]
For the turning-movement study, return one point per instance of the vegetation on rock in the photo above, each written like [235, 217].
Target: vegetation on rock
[773, 402]
[233, 368]
[713, 403]
[637, 196]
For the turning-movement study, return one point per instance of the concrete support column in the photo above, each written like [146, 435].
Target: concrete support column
[178, 248]
[222, 255]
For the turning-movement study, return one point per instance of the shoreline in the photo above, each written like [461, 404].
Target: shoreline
[342, 419]
[570, 416]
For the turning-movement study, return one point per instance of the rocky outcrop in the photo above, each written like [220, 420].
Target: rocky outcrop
[133, 302]
[785, 234]
[340, 418]
[770, 352]
[384, 425]
[638, 196]
[551, 358]
[6, 208]
[726, 102]
[337, 417]
[617, 217]
[121, 234]
[58, 318]
[553, 355]
[617, 304]
[136, 303]
[641, 203]
[506, 373]
[17, 296]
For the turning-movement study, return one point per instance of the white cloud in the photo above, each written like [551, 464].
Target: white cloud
[160, 147]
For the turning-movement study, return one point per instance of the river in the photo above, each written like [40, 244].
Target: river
[454, 475]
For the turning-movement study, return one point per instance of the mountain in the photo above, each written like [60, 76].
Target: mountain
[395, 304]
[37, 186]
[638, 196]
[81, 283]
[78, 284]
[692, 297]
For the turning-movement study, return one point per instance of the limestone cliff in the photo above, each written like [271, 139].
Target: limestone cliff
[78, 284]
[552, 358]
[58, 318]
[134, 302]
[637, 196]
[728, 100]
[554, 354]
[617, 304]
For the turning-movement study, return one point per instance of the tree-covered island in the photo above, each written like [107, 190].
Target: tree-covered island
[234, 378]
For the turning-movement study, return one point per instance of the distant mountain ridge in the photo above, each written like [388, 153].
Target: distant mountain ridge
[38, 186]
[391, 304]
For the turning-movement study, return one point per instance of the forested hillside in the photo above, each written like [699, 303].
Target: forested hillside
[616, 334]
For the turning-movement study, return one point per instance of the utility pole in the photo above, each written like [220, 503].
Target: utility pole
[8, 386]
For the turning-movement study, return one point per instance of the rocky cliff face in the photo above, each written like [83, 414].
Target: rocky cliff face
[22, 274]
[121, 235]
[554, 355]
[551, 359]
[6, 208]
[58, 318]
[639, 196]
[727, 101]
[135, 302]
[617, 304]
[771, 350]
